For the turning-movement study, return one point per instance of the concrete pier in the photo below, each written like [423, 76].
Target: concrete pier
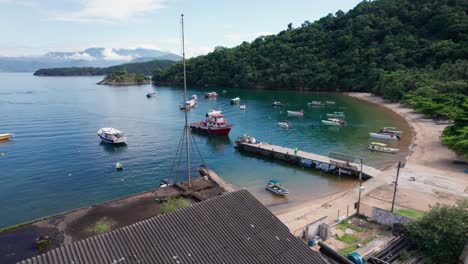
[307, 159]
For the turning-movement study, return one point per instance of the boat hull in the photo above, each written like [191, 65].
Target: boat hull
[280, 191]
[199, 126]
[294, 113]
[384, 150]
[331, 123]
[113, 141]
[384, 136]
[5, 136]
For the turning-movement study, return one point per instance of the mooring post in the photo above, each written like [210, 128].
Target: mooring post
[338, 218]
[360, 190]
[347, 211]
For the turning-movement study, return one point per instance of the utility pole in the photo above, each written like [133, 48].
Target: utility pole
[396, 184]
[360, 190]
[185, 110]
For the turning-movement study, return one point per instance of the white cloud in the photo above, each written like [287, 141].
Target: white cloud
[81, 56]
[109, 54]
[246, 36]
[193, 52]
[110, 11]
[27, 3]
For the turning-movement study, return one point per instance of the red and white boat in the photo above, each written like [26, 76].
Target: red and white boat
[214, 123]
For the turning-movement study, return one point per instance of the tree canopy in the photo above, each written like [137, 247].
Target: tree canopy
[414, 50]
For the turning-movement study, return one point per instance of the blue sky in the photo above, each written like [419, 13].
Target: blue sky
[33, 27]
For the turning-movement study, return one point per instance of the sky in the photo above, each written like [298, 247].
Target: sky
[34, 27]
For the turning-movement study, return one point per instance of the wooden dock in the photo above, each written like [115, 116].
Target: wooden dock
[307, 159]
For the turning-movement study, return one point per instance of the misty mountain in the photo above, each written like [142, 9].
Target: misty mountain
[91, 57]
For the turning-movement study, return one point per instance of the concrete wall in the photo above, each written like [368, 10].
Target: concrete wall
[387, 218]
[312, 228]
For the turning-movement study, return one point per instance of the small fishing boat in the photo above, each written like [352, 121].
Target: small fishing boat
[316, 103]
[150, 94]
[391, 130]
[119, 166]
[385, 136]
[242, 107]
[276, 103]
[213, 112]
[381, 147]
[111, 135]
[166, 182]
[336, 115]
[284, 124]
[275, 187]
[194, 97]
[235, 100]
[211, 95]
[334, 122]
[330, 102]
[5, 136]
[188, 105]
[296, 113]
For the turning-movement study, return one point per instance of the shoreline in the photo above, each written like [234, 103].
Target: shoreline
[427, 177]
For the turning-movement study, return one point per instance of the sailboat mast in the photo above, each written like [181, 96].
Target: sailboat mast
[185, 109]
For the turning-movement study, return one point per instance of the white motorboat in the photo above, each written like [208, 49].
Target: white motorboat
[213, 112]
[188, 105]
[277, 103]
[275, 187]
[5, 136]
[381, 147]
[391, 130]
[211, 95]
[284, 124]
[194, 97]
[334, 122]
[242, 107]
[235, 100]
[111, 135]
[385, 136]
[296, 113]
[316, 103]
[330, 102]
[336, 115]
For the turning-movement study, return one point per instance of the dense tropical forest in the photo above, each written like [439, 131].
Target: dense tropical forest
[125, 78]
[145, 68]
[410, 50]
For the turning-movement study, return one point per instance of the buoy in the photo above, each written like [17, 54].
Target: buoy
[119, 166]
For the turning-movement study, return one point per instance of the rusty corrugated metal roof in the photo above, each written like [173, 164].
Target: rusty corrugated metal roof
[232, 228]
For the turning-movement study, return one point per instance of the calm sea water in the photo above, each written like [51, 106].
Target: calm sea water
[56, 162]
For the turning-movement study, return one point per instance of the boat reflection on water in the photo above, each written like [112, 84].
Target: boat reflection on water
[113, 148]
[218, 143]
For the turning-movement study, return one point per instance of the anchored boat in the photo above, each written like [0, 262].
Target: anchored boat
[111, 135]
[330, 102]
[214, 123]
[235, 100]
[242, 107]
[276, 103]
[316, 103]
[211, 95]
[275, 187]
[391, 130]
[334, 122]
[336, 115]
[385, 136]
[284, 124]
[5, 136]
[150, 94]
[381, 147]
[188, 105]
[296, 113]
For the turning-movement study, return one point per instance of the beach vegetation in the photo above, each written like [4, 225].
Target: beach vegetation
[101, 226]
[173, 204]
[442, 233]
[413, 214]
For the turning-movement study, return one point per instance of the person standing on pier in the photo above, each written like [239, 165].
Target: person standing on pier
[295, 151]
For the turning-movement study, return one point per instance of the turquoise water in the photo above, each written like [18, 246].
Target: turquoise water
[56, 162]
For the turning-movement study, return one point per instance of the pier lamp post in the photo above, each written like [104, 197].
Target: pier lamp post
[360, 188]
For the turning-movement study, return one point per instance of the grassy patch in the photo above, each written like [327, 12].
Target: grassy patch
[413, 214]
[343, 225]
[173, 204]
[103, 225]
[347, 250]
[350, 239]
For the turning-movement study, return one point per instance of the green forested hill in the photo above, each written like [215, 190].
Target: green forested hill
[145, 68]
[415, 50]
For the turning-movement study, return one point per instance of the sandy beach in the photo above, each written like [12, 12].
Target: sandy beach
[429, 176]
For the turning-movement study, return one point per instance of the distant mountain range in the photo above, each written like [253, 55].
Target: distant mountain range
[92, 57]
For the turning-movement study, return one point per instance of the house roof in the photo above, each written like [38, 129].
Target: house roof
[232, 228]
